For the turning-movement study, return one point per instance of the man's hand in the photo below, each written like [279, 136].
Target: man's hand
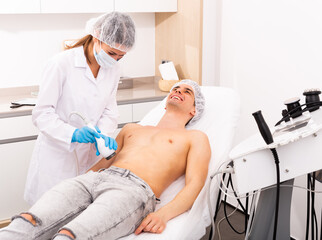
[153, 223]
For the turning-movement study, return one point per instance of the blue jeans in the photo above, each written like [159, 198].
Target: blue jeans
[108, 204]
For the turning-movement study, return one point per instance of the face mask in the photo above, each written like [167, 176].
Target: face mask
[103, 59]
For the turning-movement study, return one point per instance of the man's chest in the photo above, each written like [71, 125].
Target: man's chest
[159, 140]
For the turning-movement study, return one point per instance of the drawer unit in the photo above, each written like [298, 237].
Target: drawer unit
[125, 113]
[85, 6]
[76, 6]
[17, 127]
[135, 112]
[141, 109]
[14, 164]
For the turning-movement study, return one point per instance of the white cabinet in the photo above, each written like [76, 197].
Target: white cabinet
[19, 6]
[14, 163]
[76, 6]
[17, 127]
[86, 6]
[133, 113]
[146, 5]
[141, 109]
[17, 140]
[125, 113]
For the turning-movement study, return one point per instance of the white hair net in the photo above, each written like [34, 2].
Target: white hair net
[199, 99]
[115, 29]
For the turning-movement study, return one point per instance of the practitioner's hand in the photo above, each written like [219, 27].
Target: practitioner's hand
[152, 223]
[85, 135]
[109, 142]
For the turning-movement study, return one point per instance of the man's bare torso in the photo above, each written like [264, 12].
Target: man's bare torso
[156, 155]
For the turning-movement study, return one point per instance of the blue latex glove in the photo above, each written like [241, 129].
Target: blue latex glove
[97, 129]
[85, 135]
[109, 142]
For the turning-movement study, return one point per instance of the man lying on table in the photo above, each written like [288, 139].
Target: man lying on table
[117, 197]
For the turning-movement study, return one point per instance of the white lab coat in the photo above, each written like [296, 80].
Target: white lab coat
[68, 85]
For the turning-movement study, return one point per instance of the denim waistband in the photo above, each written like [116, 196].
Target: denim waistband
[126, 173]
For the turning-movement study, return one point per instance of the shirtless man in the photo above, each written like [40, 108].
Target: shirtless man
[117, 197]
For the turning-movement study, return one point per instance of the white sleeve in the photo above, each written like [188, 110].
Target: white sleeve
[44, 114]
[108, 121]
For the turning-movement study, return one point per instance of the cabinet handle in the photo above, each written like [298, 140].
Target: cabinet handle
[19, 139]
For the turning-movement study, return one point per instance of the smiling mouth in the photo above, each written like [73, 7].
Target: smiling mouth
[176, 97]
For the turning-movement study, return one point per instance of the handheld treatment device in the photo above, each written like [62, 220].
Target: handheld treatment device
[105, 152]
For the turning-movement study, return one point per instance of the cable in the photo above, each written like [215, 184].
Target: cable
[313, 105]
[289, 114]
[217, 210]
[221, 184]
[245, 210]
[86, 122]
[308, 200]
[227, 170]
[316, 226]
[210, 207]
[235, 194]
[277, 190]
[246, 213]
[251, 194]
[321, 227]
[80, 115]
[312, 207]
[252, 213]
[239, 204]
[225, 212]
[309, 190]
[250, 222]
[221, 220]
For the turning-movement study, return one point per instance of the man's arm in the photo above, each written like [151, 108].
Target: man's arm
[196, 173]
[103, 163]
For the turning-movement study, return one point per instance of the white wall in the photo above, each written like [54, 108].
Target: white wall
[28, 40]
[210, 41]
[271, 50]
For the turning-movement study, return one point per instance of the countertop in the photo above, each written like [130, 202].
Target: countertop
[144, 89]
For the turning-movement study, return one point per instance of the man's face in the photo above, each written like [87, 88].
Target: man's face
[183, 97]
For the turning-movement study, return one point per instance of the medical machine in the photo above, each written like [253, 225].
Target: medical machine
[268, 163]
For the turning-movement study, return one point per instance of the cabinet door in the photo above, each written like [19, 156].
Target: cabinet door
[20, 6]
[14, 163]
[77, 6]
[141, 109]
[146, 5]
[17, 127]
[125, 113]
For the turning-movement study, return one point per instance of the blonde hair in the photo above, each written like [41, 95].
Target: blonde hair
[85, 42]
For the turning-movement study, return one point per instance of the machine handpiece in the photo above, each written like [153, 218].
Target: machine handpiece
[105, 152]
[263, 128]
